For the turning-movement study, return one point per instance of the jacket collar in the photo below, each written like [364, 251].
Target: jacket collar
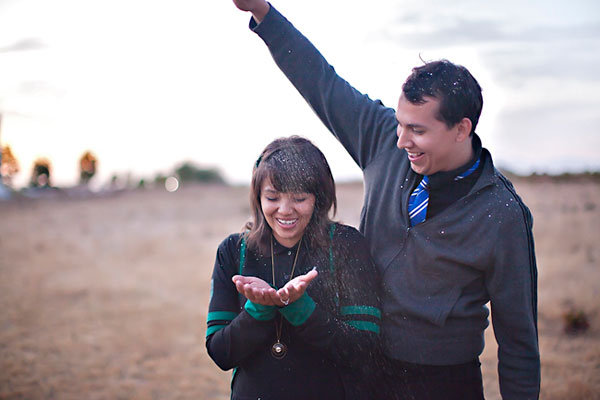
[447, 177]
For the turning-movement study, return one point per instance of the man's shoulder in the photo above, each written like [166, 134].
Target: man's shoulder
[505, 201]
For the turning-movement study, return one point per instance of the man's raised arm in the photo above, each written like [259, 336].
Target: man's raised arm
[363, 126]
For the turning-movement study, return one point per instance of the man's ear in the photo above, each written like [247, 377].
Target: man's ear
[463, 129]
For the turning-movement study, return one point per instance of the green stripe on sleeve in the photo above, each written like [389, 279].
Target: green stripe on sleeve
[260, 312]
[212, 329]
[299, 311]
[364, 326]
[221, 316]
[368, 310]
[242, 255]
[235, 370]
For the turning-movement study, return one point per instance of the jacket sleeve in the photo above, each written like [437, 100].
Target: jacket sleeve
[351, 336]
[232, 333]
[363, 126]
[512, 286]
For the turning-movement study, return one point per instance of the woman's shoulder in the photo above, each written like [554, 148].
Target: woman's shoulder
[231, 242]
[351, 246]
[346, 230]
[347, 234]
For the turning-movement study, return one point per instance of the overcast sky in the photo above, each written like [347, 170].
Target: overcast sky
[148, 84]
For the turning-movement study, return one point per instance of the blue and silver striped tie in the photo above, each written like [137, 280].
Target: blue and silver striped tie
[417, 203]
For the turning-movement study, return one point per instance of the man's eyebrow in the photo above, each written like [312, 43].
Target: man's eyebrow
[411, 125]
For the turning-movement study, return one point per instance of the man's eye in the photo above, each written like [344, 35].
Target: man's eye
[299, 199]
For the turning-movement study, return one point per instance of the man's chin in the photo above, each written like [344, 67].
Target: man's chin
[417, 169]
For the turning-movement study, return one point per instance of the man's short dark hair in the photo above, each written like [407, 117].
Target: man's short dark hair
[453, 85]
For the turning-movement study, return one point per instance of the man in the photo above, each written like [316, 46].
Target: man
[447, 231]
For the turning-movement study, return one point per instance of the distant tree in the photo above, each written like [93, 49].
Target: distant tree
[40, 176]
[87, 167]
[188, 172]
[159, 179]
[9, 167]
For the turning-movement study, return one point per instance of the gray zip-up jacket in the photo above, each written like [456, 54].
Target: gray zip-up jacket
[439, 275]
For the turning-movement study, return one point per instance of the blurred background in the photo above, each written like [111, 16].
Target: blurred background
[145, 85]
[129, 130]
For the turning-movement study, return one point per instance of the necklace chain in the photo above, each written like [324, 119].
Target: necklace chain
[293, 265]
[279, 326]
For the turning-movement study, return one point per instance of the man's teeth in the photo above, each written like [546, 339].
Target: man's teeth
[286, 221]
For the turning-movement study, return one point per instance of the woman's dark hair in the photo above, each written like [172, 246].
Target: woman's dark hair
[292, 164]
[453, 85]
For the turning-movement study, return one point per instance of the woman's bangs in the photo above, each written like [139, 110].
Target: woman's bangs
[291, 177]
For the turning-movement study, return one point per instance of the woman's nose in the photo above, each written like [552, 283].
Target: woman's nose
[285, 206]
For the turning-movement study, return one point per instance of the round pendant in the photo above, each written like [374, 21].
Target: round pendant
[278, 350]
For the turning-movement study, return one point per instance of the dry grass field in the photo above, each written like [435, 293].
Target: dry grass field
[106, 297]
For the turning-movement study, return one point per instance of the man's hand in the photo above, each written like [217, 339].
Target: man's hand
[295, 288]
[258, 8]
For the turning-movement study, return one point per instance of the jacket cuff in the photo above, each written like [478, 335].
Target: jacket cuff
[299, 311]
[260, 312]
[272, 28]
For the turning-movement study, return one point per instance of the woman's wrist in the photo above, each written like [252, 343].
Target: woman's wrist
[260, 312]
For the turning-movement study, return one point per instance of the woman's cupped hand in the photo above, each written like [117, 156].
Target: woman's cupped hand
[258, 291]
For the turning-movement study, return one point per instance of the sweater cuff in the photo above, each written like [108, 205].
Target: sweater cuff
[271, 28]
[299, 311]
[260, 312]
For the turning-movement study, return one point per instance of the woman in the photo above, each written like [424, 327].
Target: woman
[294, 307]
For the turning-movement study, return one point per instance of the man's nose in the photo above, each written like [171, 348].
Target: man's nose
[403, 141]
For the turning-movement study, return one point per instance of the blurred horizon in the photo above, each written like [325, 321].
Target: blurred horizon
[148, 86]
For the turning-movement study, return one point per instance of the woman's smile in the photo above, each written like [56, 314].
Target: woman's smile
[287, 213]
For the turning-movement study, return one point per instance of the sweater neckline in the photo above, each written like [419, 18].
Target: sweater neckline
[448, 177]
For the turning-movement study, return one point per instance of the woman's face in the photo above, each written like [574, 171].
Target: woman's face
[287, 213]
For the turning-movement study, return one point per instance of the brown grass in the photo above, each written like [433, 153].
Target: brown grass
[106, 298]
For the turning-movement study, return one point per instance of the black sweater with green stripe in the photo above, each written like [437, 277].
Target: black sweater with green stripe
[331, 332]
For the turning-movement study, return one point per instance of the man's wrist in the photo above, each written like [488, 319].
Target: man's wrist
[260, 11]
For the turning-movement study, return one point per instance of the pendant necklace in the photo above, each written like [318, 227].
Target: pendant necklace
[279, 350]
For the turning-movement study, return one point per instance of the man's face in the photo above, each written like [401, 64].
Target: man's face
[429, 143]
